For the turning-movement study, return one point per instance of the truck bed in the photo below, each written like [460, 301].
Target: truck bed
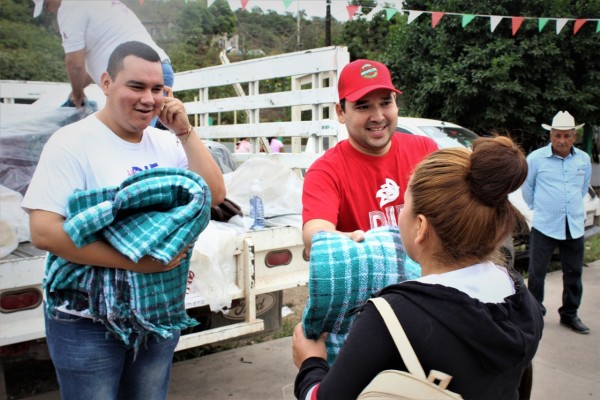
[20, 270]
[256, 274]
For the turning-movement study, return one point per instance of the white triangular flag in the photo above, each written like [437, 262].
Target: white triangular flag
[494, 21]
[560, 23]
[412, 15]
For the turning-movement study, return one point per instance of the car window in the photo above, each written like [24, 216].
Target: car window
[450, 137]
[403, 130]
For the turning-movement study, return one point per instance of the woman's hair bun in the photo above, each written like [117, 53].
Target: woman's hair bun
[498, 168]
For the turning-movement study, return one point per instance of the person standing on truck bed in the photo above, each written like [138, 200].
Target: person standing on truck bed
[101, 151]
[359, 184]
[558, 180]
[90, 31]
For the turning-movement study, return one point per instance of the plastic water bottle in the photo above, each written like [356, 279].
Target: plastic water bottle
[257, 210]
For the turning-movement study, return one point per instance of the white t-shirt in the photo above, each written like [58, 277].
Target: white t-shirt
[99, 26]
[87, 155]
[486, 282]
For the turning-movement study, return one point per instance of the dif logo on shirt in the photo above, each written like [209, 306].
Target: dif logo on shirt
[387, 217]
[135, 170]
[387, 193]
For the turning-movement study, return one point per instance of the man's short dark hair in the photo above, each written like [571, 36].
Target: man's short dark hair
[133, 48]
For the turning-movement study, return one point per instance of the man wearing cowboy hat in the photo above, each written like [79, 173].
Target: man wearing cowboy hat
[558, 178]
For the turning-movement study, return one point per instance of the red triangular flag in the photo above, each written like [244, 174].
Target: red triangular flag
[516, 24]
[142, 2]
[435, 18]
[351, 11]
[244, 4]
[578, 24]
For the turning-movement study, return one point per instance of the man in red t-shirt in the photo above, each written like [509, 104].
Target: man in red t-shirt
[359, 184]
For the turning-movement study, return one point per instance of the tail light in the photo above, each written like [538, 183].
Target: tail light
[19, 300]
[277, 258]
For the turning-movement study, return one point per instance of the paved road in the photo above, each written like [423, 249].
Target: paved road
[566, 366]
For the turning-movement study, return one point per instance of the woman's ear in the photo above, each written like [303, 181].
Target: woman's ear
[422, 230]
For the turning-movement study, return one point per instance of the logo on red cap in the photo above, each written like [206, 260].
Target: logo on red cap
[368, 71]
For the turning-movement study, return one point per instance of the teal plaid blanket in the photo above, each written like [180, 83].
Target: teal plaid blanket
[343, 276]
[156, 213]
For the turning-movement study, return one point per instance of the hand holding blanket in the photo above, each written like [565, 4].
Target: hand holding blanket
[344, 274]
[157, 212]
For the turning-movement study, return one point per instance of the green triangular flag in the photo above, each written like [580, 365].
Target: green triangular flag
[286, 3]
[389, 13]
[466, 19]
[541, 23]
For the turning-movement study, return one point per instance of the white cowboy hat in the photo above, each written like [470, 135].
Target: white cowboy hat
[38, 8]
[563, 121]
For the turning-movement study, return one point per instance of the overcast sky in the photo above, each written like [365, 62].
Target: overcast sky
[313, 8]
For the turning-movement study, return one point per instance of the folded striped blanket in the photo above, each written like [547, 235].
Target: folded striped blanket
[344, 274]
[154, 213]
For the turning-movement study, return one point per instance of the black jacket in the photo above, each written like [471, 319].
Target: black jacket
[484, 346]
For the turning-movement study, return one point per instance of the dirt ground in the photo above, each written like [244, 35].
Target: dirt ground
[33, 377]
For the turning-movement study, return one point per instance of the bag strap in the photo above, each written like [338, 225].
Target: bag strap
[402, 343]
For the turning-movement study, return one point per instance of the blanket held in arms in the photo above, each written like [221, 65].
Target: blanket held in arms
[343, 274]
[156, 213]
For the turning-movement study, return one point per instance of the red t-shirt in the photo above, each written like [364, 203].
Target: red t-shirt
[354, 191]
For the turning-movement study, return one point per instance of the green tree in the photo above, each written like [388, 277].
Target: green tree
[365, 38]
[496, 81]
[159, 17]
[271, 32]
[197, 25]
[29, 50]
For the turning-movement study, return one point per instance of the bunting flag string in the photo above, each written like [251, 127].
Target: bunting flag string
[355, 11]
[516, 21]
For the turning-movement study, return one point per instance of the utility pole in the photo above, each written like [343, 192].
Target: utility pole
[298, 28]
[328, 24]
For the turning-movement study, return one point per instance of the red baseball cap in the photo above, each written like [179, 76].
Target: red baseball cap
[363, 76]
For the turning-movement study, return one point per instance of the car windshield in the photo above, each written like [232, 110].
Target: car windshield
[450, 137]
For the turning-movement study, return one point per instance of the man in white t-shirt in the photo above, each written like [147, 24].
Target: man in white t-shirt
[90, 31]
[100, 151]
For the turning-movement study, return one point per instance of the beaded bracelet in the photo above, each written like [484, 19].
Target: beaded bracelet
[186, 134]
